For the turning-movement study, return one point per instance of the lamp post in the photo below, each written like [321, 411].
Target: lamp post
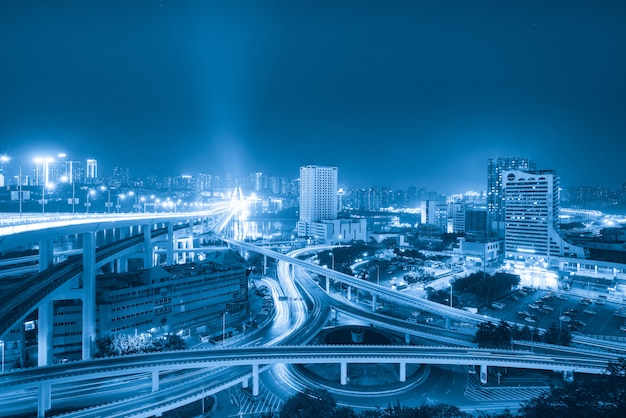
[224, 327]
[66, 179]
[108, 203]
[450, 294]
[119, 197]
[43, 197]
[136, 204]
[87, 203]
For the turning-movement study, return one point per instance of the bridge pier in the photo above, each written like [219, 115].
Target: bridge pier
[46, 254]
[147, 247]
[402, 371]
[255, 380]
[169, 255]
[349, 293]
[264, 265]
[155, 380]
[245, 383]
[327, 285]
[407, 338]
[44, 333]
[483, 374]
[44, 400]
[344, 373]
[89, 294]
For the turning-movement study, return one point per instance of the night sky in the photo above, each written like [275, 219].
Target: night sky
[394, 93]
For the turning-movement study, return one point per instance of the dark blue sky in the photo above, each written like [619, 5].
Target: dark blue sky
[393, 93]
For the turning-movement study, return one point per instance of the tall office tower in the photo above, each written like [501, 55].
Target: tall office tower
[531, 210]
[92, 170]
[495, 196]
[318, 193]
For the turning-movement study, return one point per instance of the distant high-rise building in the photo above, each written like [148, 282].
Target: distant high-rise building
[532, 232]
[318, 196]
[495, 195]
[92, 170]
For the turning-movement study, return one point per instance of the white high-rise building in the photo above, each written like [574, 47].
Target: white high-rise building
[532, 232]
[318, 196]
[92, 170]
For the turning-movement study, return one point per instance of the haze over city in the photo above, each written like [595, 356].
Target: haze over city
[407, 93]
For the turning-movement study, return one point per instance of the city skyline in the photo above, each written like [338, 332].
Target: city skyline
[408, 94]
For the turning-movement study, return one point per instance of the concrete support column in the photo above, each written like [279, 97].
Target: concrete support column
[349, 293]
[245, 383]
[407, 338]
[344, 373]
[264, 265]
[44, 334]
[89, 293]
[147, 247]
[402, 372]
[483, 374]
[447, 323]
[171, 239]
[44, 401]
[155, 380]
[374, 301]
[327, 285]
[46, 253]
[255, 380]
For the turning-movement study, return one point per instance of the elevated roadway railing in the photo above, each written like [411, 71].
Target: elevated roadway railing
[316, 354]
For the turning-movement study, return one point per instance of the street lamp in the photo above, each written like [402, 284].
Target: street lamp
[450, 294]
[136, 204]
[120, 196]
[6, 159]
[224, 326]
[66, 179]
[43, 196]
[108, 203]
[87, 204]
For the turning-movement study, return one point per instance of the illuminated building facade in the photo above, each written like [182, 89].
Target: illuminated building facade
[495, 194]
[318, 196]
[532, 233]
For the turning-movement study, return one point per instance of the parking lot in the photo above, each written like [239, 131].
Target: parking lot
[589, 315]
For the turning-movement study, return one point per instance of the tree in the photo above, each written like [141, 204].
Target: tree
[586, 396]
[489, 335]
[310, 404]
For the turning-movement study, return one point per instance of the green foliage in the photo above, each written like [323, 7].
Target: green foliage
[486, 287]
[489, 335]
[557, 335]
[124, 344]
[310, 404]
[586, 396]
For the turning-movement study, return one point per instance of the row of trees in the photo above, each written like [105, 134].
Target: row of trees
[124, 344]
[502, 335]
[586, 396]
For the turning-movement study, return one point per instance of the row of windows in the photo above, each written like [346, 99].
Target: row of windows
[132, 326]
[132, 315]
[132, 305]
[63, 312]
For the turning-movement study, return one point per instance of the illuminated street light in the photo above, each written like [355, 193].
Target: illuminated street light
[108, 204]
[43, 196]
[87, 203]
[120, 196]
[66, 179]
